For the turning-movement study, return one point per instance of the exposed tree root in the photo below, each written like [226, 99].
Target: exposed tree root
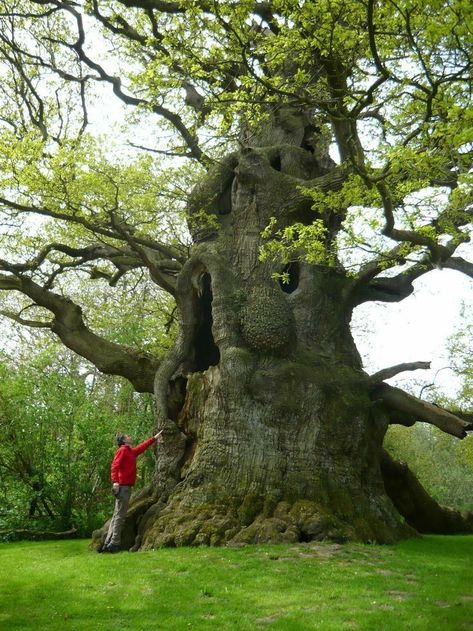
[255, 520]
[413, 502]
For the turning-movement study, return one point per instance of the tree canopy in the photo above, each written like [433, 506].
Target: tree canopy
[387, 85]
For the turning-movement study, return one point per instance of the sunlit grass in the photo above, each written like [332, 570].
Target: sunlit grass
[425, 583]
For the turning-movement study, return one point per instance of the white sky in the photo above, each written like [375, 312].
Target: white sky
[415, 329]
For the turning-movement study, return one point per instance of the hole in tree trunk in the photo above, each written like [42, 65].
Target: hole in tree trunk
[176, 397]
[224, 201]
[292, 270]
[276, 162]
[310, 134]
[206, 352]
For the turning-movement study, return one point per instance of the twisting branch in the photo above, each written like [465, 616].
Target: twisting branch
[68, 324]
[394, 288]
[30, 323]
[411, 236]
[168, 251]
[162, 275]
[390, 288]
[116, 83]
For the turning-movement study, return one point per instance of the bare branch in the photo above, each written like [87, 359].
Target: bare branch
[387, 373]
[404, 403]
[169, 154]
[31, 323]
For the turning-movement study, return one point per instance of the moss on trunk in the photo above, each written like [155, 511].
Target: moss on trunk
[276, 439]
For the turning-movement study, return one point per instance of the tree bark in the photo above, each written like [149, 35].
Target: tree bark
[277, 437]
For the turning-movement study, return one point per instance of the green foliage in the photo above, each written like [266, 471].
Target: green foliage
[308, 243]
[58, 421]
[442, 463]
[419, 584]
[461, 359]
[396, 75]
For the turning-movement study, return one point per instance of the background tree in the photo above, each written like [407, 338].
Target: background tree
[58, 420]
[273, 431]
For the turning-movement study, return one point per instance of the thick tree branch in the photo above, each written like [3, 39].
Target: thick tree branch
[460, 265]
[396, 288]
[393, 288]
[404, 403]
[466, 416]
[392, 371]
[420, 510]
[395, 256]
[418, 237]
[69, 326]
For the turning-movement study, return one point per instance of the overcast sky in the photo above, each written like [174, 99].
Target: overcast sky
[416, 329]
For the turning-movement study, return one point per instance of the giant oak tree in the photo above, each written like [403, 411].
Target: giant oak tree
[320, 154]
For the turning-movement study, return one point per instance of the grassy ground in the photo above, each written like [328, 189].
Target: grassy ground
[59, 586]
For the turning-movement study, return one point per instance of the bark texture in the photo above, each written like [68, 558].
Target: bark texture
[275, 433]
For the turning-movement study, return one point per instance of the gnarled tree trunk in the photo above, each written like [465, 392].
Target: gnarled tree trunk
[276, 432]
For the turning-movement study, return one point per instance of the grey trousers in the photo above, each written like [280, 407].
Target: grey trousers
[122, 499]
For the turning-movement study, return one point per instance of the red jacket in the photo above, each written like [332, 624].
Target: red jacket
[123, 469]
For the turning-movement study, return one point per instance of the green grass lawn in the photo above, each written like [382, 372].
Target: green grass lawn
[426, 583]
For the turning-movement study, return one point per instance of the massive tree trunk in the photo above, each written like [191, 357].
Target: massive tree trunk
[273, 432]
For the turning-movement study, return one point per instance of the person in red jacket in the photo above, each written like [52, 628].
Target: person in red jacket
[123, 474]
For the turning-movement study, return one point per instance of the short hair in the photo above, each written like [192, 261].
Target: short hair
[120, 438]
